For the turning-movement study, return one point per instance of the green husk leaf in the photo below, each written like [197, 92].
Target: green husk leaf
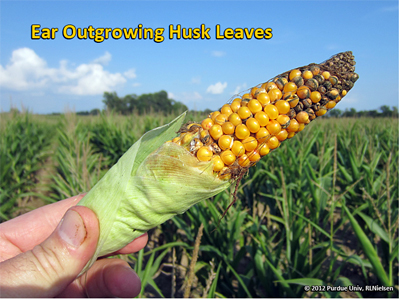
[151, 183]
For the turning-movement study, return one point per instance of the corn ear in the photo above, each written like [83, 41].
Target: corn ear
[256, 122]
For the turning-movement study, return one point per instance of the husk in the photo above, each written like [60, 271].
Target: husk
[151, 183]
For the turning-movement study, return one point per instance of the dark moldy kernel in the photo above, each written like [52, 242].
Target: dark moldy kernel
[322, 89]
[316, 107]
[292, 113]
[306, 103]
[299, 107]
[319, 79]
[312, 84]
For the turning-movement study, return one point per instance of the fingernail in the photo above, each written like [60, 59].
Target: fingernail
[72, 229]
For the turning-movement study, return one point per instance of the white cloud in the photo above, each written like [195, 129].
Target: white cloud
[217, 88]
[131, 74]
[92, 79]
[104, 60]
[218, 53]
[27, 71]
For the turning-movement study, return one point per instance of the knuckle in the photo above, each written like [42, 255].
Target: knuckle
[47, 262]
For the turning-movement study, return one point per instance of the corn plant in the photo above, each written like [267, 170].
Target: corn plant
[24, 148]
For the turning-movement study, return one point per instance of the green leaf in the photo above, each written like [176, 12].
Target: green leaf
[374, 226]
[213, 288]
[368, 249]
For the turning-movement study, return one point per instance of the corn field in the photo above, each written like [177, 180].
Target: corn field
[320, 210]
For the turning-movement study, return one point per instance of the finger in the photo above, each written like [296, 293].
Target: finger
[51, 266]
[26, 231]
[136, 245]
[106, 278]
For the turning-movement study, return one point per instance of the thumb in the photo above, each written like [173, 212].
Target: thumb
[50, 267]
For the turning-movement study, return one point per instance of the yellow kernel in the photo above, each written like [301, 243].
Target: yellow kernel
[271, 111]
[282, 135]
[275, 94]
[331, 104]
[301, 127]
[220, 119]
[344, 92]
[235, 119]
[250, 143]
[254, 106]
[254, 156]
[225, 142]
[264, 150]
[320, 112]
[283, 106]
[315, 96]
[273, 127]
[176, 139]
[237, 100]
[262, 135]
[262, 118]
[273, 142]
[235, 106]
[204, 154]
[291, 134]
[326, 75]
[186, 138]
[228, 157]
[237, 148]
[293, 126]
[214, 115]
[307, 75]
[290, 87]
[218, 164]
[207, 123]
[244, 161]
[283, 119]
[294, 73]
[228, 128]
[216, 131]
[253, 125]
[226, 110]
[303, 92]
[244, 112]
[263, 98]
[302, 117]
[242, 131]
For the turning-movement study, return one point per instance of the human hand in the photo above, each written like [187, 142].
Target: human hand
[41, 256]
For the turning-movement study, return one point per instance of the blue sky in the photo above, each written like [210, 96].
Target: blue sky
[47, 76]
